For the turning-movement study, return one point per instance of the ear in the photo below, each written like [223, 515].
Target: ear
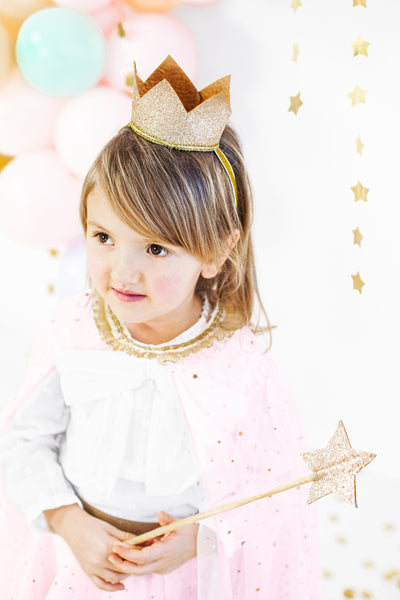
[211, 268]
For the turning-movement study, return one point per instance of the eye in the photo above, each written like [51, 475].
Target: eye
[103, 238]
[157, 250]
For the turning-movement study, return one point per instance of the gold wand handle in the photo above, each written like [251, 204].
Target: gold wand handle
[217, 510]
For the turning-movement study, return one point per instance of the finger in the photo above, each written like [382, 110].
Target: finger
[110, 575]
[118, 533]
[165, 518]
[141, 557]
[134, 569]
[104, 585]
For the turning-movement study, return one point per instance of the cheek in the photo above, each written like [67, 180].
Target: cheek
[166, 284]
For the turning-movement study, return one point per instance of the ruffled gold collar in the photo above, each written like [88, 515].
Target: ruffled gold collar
[114, 334]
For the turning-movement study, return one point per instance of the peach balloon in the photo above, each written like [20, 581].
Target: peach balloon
[87, 123]
[82, 5]
[108, 17]
[27, 117]
[200, 2]
[148, 40]
[5, 55]
[153, 5]
[20, 9]
[39, 200]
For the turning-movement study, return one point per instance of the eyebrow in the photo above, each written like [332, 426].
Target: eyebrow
[95, 225]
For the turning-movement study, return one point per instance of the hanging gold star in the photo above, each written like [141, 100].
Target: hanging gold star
[295, 4]
[360, 3]
[360, 46]
[129, 80]
[295, 103]
[357, 282]
[335, 467]
[4, 160]
[296, 52]
[357, 236]
[121, 30]
[359, 145]
[360, 192]
[357, 95]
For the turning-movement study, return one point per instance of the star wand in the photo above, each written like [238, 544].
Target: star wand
[334, 470]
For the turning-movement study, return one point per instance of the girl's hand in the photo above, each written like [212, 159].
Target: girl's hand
[162, 556]
[91, 540]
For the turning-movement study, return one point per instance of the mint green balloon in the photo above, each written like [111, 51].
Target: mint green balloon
[60, 52]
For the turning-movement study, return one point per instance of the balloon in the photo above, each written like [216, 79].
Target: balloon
[71, 276]
[148, 40]
[108, 17]
[60, 51]
[153, 5]
[39, 200]
[5, 54]
[87, 123]
[20, 9]
[82, 5]
[200, 2]
[27, 117]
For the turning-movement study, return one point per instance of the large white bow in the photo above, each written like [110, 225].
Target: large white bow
[100, 387]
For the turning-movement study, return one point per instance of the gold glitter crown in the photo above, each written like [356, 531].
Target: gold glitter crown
[168, 110]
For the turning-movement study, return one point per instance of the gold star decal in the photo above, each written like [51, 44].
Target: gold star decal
[359, 145]
[295, 103]
[4, 160]
[295, 4]
[357, 237]
[357, 96]
[357, 282]
[360, 3]
[360, 192]
[335, 468]
[296, 52]
[195, 376]
[53, 252]
[360, 47]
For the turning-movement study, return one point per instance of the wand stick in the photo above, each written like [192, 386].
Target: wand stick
[333, 470]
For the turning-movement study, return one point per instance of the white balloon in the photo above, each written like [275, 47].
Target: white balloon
[87, 123]
[27, 117]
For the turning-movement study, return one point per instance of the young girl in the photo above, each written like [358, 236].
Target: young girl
[149, 398]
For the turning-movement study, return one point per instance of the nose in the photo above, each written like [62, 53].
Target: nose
[126, 269]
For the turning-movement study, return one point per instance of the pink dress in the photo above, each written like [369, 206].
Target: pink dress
[247, 437]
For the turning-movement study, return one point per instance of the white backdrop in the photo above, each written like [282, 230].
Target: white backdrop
[338, 348]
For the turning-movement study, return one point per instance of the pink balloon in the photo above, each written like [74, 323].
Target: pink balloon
[72, 272]
[39, 200]
[107, 18]
[86, 123]
[149, 39]
[200, 2]
[82, 5]
[27, 117]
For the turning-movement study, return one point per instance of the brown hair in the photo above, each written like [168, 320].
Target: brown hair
[186, 199]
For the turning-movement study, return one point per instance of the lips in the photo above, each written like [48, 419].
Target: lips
[127, 295]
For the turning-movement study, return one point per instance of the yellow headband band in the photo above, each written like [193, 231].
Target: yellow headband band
[224, 161]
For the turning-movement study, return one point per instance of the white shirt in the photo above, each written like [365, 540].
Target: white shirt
[106, 427]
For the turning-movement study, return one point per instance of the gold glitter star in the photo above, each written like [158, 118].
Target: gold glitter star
[129, 80]
[53, 252]
[295, 4]
[4, 160]
[195, 376]
[357, 237]
[360, 46]
[360, 192]
[358, 283]
[335, 467]
[296, 52]
[295, 103]
[349, 593]
[357, 96]
[359, 145]
[360, 3]
[121, 30]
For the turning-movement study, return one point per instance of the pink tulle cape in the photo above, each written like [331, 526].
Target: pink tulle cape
[248, 437]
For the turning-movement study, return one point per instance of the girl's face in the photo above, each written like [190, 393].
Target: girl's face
[149, 285]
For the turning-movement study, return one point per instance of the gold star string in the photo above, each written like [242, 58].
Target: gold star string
[360, 47]
[295, 103]
[296, 52]
[360, 192]
[4, 160]
[360, 3]
[359, 146]
[335, 468]
[357, 96]
[295, 5]
[357, 237]
[358, 283]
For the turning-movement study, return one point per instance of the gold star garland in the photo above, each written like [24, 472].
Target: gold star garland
[295, 101]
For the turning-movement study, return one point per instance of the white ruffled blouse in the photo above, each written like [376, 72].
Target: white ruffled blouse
[106, 427]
